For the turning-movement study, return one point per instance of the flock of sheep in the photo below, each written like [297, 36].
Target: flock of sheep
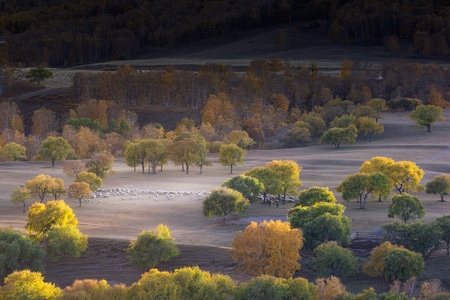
[137, 193]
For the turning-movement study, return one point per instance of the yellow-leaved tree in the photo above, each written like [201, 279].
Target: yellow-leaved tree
[270, 248]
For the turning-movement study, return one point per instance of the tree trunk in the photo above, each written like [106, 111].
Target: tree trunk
[79, 200]
[53, 162]
[429, 128]
[24, 207]
[231, 169]
[187, 168]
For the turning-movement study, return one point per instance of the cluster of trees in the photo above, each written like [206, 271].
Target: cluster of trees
[193, 283]
[62, 33]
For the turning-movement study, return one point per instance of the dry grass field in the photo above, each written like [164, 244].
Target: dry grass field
[113, 222]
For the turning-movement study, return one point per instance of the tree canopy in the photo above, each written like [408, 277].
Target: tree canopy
[54, 148]
[440, 185]
[38, 74]
[397, 259]
[223, 201]
[406, 207]
[18, 252]
[270, 248]
[427, 115]
[250, 187]
[25, 284]
[152, 247]
[315, 194]
[288, 172]
[42, 185]
[231, 155]
[336, 136]
[333, 260]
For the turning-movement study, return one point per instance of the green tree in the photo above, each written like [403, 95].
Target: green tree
[231, 155]
[288, 172]
[155, 153]
[18, 252]
[91, 179]
[427, 115]
[403, 264]
[101, 165]
[336, 136]
[332, 259]
[406, 207]
[28, 285]
[250, 187]
[270, 248]
[223, 201]
[20, 195]
[65, 241]
[53, 149]
[315, 194]
[79, 190]
[418, 236]
[38, 74]
[377, 164]
[444, 225]
[378, 105]
[439, 185]
[320, 223]
[13, 151]
[274, 288]
[369, 127]
[268, 177]
[360, 185]
[152, 247]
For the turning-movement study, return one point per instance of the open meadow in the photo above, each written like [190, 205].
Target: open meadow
[111, 222]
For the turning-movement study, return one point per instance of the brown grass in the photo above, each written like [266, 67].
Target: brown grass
[112, 223]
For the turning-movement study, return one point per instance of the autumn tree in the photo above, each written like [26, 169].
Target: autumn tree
[101, 165]
[376, 266]
[440, 184]
[73, 167]
[405, 176]
[315, 194]
[20, 195]
[44, 122]
[406, 207]
[42, 185]
[427, 115]
[223, 201]
[38, 74]
[88, 143]
[13, 152]
[79, 190]
[231, 155]
[91, 179]
[241, 139]
[19, 252]
[361, 185]
[58, 189]
[250, 187]
[329, 288]
[152, 247]
[53, 149]
[288, 172]
[270, 248]
[331, 259]
[56, 224]
[26, 284]
[336, 136]
[369, 127]
[444, 225]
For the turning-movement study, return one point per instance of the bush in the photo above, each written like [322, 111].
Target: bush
[152, 247]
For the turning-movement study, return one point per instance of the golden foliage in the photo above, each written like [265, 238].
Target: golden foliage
[270, 248]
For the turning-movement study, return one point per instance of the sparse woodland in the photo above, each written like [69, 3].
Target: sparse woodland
[270, 105]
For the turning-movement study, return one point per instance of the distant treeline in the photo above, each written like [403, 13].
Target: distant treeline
[65, 33]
